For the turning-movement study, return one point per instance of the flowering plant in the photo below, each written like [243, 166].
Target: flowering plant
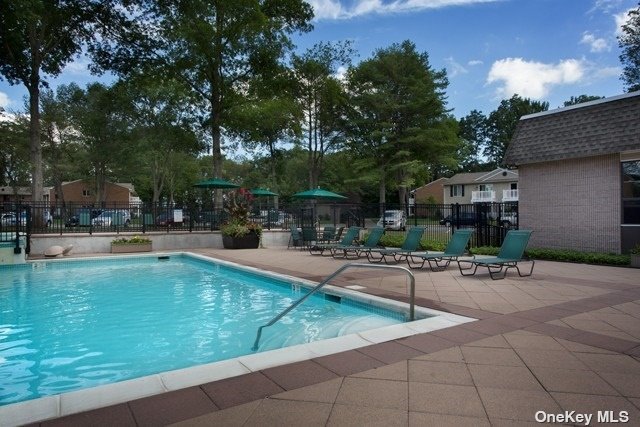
[238, 207]
[132, 240]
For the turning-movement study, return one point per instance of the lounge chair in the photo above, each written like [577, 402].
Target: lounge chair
[320, 248]
[328, 234]
[438, 261]
[354, 251]
[511, 253]
[410, 245]
[309, 237]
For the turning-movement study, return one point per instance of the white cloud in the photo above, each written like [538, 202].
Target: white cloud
[532, 79]
[596, 44]
[454, 68]
[474, 62]
[78, 67]
[335, 9]
[4, 100]
[621, 19]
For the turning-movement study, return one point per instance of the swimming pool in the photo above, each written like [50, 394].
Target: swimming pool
[62, 328]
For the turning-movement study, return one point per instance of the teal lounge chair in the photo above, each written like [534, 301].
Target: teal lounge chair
[320, 248]
[438, 261]
[410, 245]
[354, 251]
[511, 253]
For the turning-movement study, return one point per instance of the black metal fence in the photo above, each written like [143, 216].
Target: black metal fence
[490, 220]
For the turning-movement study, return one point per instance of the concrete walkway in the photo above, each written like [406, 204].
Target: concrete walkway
[565, 339]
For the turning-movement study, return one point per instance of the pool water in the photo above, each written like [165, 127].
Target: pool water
[77, 324]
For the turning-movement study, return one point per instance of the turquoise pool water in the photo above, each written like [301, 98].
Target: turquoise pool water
[76, 324]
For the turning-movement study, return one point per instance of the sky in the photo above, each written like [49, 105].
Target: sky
[546, 50]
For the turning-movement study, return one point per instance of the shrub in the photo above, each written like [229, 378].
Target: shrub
[133, 240]
[396, 241]
[564, 255]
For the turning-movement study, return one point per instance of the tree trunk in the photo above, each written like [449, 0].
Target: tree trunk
[35, 146]
[382, 190]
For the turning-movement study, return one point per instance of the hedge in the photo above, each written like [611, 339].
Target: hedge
[564, 255]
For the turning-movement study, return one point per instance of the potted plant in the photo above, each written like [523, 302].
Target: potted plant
[239, 232]
[133, 244]
[635, 256]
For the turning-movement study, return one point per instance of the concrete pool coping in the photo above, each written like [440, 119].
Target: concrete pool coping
[96, 397]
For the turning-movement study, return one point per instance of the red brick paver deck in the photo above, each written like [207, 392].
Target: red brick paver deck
[565, 339]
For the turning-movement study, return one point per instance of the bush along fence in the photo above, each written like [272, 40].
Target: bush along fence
[490, 220]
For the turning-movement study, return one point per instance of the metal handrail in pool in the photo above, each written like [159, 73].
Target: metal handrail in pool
[412, 295]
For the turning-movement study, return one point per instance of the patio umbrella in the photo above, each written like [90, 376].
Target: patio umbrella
[216, 183]
[315, 194]
[318, 193]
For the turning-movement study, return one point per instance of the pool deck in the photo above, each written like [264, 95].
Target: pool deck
[565, 339]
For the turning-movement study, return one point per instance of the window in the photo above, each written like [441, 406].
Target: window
[456, 190]
[514, 186]
[631, 192]
[485, 187]
[86, 193]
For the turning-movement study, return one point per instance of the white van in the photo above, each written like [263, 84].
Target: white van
[393, 220]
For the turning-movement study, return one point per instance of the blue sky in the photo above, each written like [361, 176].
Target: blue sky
[546, 50]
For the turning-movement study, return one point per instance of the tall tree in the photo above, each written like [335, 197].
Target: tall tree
[14, 151]
[37, 39]
[212, 47]
[574, 100]
[502, 122]
[400, 122]
[321, 97]
[472, 130]
[629, 42]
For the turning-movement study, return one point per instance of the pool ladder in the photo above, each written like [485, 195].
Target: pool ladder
[412, 294]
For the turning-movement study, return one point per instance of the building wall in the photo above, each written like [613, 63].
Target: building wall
[468, 188]
[73, 192]
[572, 204]
[433, 189]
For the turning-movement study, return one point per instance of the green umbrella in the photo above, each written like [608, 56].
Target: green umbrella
[261, 192]
[216, 183]
[318, 193]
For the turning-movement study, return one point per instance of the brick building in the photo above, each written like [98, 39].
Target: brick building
[82, 191]
[580, 175]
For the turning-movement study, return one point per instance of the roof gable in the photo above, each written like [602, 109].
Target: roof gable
[605, 126]
[496, 175]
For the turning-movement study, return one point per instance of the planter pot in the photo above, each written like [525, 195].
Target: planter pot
[248, 241]
[635, 260]
[130, 247]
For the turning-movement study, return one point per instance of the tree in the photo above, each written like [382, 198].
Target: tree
[39, 37]
[472, 131]
[502, 122]
[14, 152]
[574, 100]
[321, 98]
[212, 47]
[400, 124]
[629, 42]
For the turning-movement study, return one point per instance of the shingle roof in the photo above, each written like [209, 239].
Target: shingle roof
[482, 177]
[605, 126]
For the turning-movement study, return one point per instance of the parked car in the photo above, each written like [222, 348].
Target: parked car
[509, 219]
[168, 218]
[106, 218]
[465, 218]
[393, 220]
[74, 220]
[9, 219]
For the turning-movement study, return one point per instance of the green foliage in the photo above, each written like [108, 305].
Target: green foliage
[580, 99]
[629, 42]
[636, 249]
[563, 255]
[501, 124]
[399, 121]
[238, 206]
[396, 240]
[135, 240]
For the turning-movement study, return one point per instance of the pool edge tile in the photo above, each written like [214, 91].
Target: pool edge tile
[200, 374]
[30, 411]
